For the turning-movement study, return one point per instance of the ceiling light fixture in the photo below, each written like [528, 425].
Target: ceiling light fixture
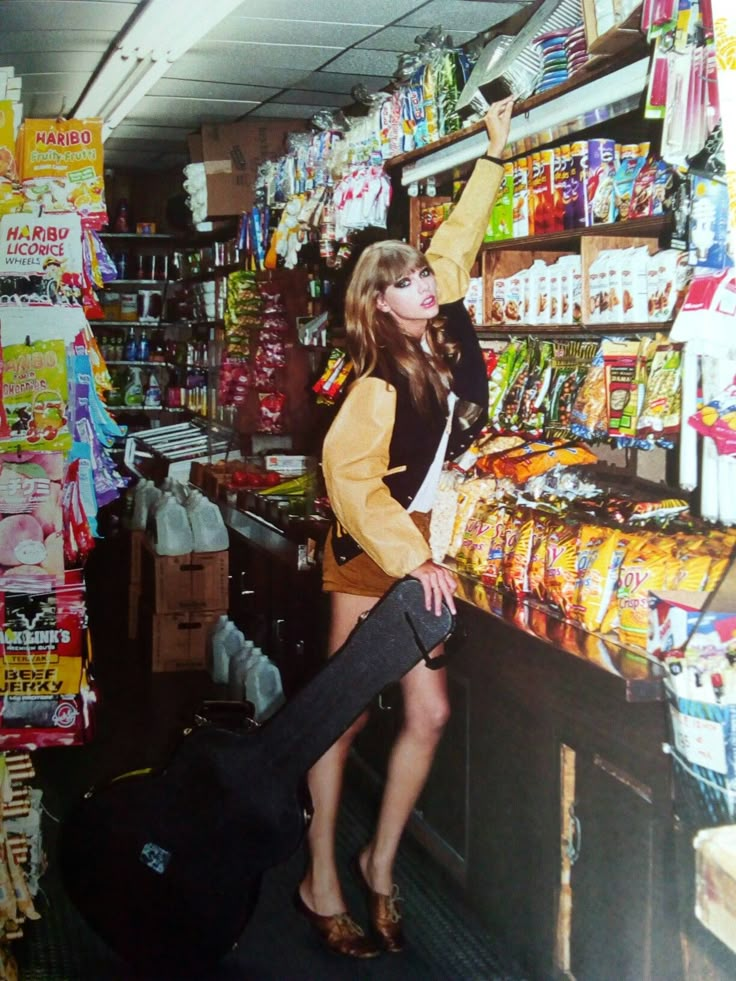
[157, 36]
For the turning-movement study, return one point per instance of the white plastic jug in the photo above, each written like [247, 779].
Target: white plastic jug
[173, 533]
[263, 687]
[238, 667]
[218, 655]
[141, 499]
[208, 527]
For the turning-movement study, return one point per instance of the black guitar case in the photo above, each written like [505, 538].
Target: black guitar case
[166, 865]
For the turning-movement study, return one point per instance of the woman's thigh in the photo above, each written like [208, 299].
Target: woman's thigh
[345, 610]
[426, 702]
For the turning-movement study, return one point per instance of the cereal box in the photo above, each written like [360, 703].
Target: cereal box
[521, 198]
[600, 180]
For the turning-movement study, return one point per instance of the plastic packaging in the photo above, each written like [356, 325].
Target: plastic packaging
[240, 654]
[217, 659]
[208, 527]
[263, 686]
[153, 392]
[172, 531]
[146, 497]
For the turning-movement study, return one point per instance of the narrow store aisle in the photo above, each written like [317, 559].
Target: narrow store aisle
[139, 719]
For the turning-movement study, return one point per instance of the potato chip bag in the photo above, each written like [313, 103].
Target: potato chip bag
[517, 551]
[560, 574]
[596, 548]
[538, 457]
[643, 569]
[497, 517]
[609, 602]
[470, 493]
[538, 557]
[472, 556]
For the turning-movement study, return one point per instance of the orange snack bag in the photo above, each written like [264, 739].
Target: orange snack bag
[537, 458]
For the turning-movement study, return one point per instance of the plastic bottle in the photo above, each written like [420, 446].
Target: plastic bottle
[144, 348]
[134, 388]
[217, 653]
[263, 686]
[238, 660]
[130, 351]
[208, 527]
[173, 534]
[140, 505]
[153, 392]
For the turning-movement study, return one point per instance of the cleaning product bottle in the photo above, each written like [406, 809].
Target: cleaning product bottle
[144, 348]
[238, 661]
[134, 387]
[208, 527]
[172, 533]
[263, 686]
[217, 653]
[153, 392]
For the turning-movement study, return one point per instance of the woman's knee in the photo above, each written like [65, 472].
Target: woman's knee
[429, 719]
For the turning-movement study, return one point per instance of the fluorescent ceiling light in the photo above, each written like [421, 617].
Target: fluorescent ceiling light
[575, 110]
[157, 36]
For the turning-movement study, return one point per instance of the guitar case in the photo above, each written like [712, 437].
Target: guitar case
[166, 864]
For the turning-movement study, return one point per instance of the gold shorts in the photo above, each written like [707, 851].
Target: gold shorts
[361, 576]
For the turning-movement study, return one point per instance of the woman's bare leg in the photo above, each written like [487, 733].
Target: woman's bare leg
[426, 710]
[321, 886]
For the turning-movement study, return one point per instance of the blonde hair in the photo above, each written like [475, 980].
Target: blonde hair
[374, 339]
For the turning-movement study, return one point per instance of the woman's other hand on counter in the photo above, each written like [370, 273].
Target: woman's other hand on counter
[438, 584]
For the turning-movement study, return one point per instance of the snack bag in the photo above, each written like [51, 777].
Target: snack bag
[642, 570]
[560, 573]
[596, 549]
[517, 552]
[61, 166]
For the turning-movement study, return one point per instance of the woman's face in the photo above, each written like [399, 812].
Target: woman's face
[411, 301]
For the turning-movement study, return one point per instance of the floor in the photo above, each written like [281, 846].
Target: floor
[140, 717]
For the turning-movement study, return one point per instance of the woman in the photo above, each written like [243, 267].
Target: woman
[420, 396]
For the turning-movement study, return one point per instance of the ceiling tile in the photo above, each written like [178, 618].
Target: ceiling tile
[52, 40]
[36, 62]
[378, 12]
[81, 15]
[154, 134]
[462, 15]
[228, 65]
[403, 39]
[186, 112]
[283, 110]
[212, 90]
[261, 31]
[331, 82]
[272, 55]
[318, 99]
[363, 61]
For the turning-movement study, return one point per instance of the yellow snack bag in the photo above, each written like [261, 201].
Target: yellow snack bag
[517, 551]
[596, 549]
[537, 559]
[609, 602]
[61, 167]
[560, 576]
[642, 570]
[8, 170]
[498, 516]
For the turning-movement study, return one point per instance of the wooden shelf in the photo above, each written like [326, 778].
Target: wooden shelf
[658, 226]
[577, 330]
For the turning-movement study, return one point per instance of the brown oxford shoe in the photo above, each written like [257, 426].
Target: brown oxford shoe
[339, 933]
[384, 914]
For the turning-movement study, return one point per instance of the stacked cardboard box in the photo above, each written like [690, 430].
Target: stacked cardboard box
[182, 597]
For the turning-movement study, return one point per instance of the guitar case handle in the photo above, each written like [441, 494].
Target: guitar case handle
[436, 662]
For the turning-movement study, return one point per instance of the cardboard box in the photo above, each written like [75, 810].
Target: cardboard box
[715, 882]
[134, 607]
[137, 540]
[178, 641]
[232, 154]
[185, 583]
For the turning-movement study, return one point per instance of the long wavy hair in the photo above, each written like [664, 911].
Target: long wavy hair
[374, 339]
